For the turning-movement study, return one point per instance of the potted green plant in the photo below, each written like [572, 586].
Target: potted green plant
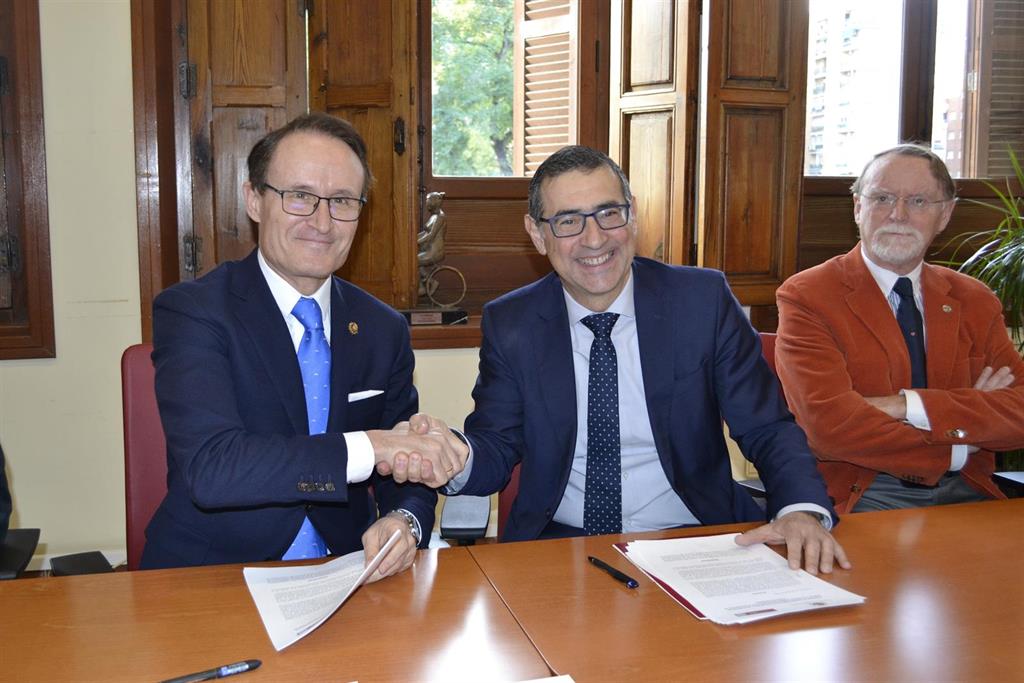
[999, 263]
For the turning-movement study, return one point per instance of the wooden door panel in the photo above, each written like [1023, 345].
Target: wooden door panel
[753, 157]
[372, 87]
[653, 118]
[650, 175]
[248, 78]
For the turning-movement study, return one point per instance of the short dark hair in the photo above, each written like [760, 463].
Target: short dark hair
[314, 122]
[572, 158]
[935, 164]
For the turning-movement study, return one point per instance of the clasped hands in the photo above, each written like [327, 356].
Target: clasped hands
[422, 450]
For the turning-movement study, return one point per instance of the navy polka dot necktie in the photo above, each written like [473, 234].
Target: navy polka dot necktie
[602, 500]
[912, 326]
[315, 365]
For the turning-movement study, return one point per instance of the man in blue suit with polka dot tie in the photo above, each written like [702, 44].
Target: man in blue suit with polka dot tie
[607, 382]
[278, 382]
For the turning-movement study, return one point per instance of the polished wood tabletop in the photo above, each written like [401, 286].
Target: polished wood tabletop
[441, 620]
[945, 602]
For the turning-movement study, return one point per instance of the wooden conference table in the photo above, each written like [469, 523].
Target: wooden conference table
[945, 603]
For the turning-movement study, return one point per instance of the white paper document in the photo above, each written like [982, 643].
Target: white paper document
[730, 584]
[293, 601]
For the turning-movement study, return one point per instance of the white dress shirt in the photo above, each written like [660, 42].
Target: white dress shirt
[917, 416]
[360, 450]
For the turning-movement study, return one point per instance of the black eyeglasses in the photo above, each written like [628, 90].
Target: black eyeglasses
[572, 224]
[301, 203]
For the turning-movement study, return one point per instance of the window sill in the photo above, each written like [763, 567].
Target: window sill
[447, 336]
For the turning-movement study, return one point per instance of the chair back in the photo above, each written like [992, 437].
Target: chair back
[145, 450]
[768, 348]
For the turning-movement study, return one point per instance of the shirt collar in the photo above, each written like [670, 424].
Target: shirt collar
[623, 304]
[886, 279]
[287, 296]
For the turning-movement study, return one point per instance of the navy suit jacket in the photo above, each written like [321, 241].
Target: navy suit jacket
[701, 362]
[242, 469]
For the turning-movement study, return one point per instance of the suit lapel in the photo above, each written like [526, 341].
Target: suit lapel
[552, 348]
[342, 341]
[871, 307]
[260, 317]
[941, 320]
[655, 338]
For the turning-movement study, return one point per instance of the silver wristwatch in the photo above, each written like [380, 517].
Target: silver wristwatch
[410, 519]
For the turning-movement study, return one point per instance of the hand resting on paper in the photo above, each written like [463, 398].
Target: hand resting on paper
[805, 540]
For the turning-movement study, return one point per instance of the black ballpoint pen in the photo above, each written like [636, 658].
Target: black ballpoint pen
[613, 572]
[219, 672]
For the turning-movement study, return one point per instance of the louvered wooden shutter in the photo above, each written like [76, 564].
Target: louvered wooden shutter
[1005, 91]
[546, 80]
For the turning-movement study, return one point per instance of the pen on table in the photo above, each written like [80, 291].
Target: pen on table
[613, 572]
[219, 672]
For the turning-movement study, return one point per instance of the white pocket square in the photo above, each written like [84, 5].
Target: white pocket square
[360, 395]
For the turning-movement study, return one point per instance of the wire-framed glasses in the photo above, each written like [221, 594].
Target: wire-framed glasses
[571, 224]
[302, 203]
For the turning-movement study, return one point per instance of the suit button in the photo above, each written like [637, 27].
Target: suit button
[303, 487]
[957, 433]
[329, 486]
[855, 488]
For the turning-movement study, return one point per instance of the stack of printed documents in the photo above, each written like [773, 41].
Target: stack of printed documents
[716, 579]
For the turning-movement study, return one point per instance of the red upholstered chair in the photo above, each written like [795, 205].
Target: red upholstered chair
[768, 348]
[145, 452]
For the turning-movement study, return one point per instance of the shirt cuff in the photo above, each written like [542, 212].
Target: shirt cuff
[916, 415]
[821, 513]
[456, 483]
[360, 456]
[958, 458]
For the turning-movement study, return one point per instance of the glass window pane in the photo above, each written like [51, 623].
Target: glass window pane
[471, 73]
[853, 83]
[948, 101]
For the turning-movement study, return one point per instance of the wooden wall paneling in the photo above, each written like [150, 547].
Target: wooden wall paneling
[653, 117]
[374, 88]
[153, 67]
[26, 313]
[754, 143]
[249, 78]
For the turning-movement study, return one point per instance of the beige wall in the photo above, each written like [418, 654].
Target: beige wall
[60, 419]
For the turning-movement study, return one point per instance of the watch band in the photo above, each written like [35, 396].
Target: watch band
[410, 519]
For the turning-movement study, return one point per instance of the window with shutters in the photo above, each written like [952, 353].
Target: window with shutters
[507, 84]
[949, 73]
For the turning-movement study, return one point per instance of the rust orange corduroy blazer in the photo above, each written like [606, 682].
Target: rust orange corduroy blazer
[839, 341]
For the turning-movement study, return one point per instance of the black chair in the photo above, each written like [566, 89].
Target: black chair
[464, 518]
[16, 551]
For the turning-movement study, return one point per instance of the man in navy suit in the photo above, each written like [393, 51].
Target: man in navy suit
[682, 357]
[276, 380]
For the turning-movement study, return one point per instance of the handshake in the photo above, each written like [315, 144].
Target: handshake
[422, 450]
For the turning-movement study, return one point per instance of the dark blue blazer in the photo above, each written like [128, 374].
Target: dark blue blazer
[243, 470]
[701, 362]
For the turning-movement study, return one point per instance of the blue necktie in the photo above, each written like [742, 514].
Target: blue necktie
[912, 326]
[315, 365]
[602, 500]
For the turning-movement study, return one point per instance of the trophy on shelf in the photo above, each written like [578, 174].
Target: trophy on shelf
[429, 257]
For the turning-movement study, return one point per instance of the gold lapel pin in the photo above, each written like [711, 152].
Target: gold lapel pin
[946, 308]
[353, 328]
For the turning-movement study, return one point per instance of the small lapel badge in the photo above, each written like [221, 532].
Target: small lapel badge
[353, 328]
[946, 308]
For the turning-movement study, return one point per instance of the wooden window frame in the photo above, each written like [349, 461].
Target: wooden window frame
[26, 329]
